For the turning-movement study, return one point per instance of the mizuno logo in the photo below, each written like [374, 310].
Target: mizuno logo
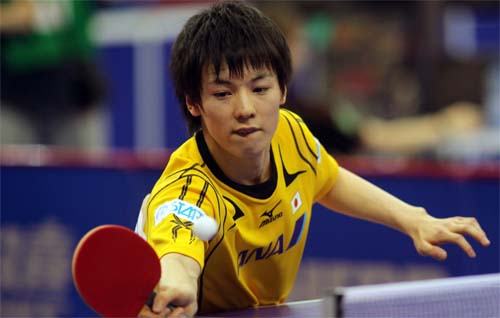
[270, 219]
[269, 216]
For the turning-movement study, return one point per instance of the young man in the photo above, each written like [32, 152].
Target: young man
[257, 170]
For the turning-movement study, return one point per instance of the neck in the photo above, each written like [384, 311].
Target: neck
[245, 170]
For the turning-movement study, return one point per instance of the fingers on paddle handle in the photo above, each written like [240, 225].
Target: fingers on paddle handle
[151, 300]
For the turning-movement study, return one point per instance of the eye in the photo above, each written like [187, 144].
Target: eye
[221, 94]
[260, 89]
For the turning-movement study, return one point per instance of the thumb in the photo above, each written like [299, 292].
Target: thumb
[436, 252]
[160, 303]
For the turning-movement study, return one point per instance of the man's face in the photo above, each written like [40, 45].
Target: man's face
[239, 115]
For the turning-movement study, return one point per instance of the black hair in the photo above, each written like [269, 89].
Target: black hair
[229, 32]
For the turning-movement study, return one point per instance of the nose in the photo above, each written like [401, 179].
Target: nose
[244, 108]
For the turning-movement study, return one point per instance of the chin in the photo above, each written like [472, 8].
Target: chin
[254, 151]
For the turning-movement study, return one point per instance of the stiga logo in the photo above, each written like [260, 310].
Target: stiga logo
[182, 209]
[270, 216]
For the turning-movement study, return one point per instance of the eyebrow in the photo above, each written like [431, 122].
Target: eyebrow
[220, 81]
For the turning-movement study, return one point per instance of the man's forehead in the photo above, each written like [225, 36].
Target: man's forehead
[224, 71]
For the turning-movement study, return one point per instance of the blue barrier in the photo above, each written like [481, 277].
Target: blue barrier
[46, 209]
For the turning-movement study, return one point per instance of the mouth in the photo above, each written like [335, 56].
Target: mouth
[243, 132]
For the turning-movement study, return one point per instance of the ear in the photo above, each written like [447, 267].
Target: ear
[193, 108]
[283, 96]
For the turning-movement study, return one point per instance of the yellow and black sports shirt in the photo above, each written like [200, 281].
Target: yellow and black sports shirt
[255, 255]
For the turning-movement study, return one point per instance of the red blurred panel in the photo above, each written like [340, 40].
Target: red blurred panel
[157, 159]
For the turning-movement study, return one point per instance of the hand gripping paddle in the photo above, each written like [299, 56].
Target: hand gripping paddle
[115, 271]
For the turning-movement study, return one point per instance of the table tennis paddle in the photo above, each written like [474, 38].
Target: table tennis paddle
[115, 271]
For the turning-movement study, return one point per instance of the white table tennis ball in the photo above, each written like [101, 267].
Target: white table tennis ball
[205, 228]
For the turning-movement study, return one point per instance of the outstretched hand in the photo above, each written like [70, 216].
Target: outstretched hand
[430, 232]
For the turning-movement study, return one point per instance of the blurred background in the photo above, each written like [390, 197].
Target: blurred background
[405, 93]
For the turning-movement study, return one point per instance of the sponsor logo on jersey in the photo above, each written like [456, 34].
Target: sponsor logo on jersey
[182, 209]
[260, 253]
[270, 216]
[275, 247]
[179, 224]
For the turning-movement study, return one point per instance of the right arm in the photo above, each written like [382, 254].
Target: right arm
[167, 226]
[178, 286]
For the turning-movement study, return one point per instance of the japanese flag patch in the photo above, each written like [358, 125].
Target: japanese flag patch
[296, 202]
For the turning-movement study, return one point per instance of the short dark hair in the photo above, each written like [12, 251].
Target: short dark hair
[232, 32]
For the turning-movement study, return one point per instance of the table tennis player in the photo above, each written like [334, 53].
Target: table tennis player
[254, 167]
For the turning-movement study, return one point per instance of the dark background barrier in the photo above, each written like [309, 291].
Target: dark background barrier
[50, 200]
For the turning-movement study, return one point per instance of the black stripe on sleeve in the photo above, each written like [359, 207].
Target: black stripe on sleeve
[202, 194]
[185, 187]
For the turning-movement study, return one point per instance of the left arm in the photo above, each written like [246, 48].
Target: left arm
[353, 196]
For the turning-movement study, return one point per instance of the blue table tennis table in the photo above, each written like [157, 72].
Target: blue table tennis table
[296, 309]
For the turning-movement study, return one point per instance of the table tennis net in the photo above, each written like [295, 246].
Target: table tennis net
[467, 297]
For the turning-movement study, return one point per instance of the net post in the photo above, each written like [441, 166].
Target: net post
[333, 302]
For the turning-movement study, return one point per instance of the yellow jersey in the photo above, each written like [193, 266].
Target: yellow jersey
[255, 255]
